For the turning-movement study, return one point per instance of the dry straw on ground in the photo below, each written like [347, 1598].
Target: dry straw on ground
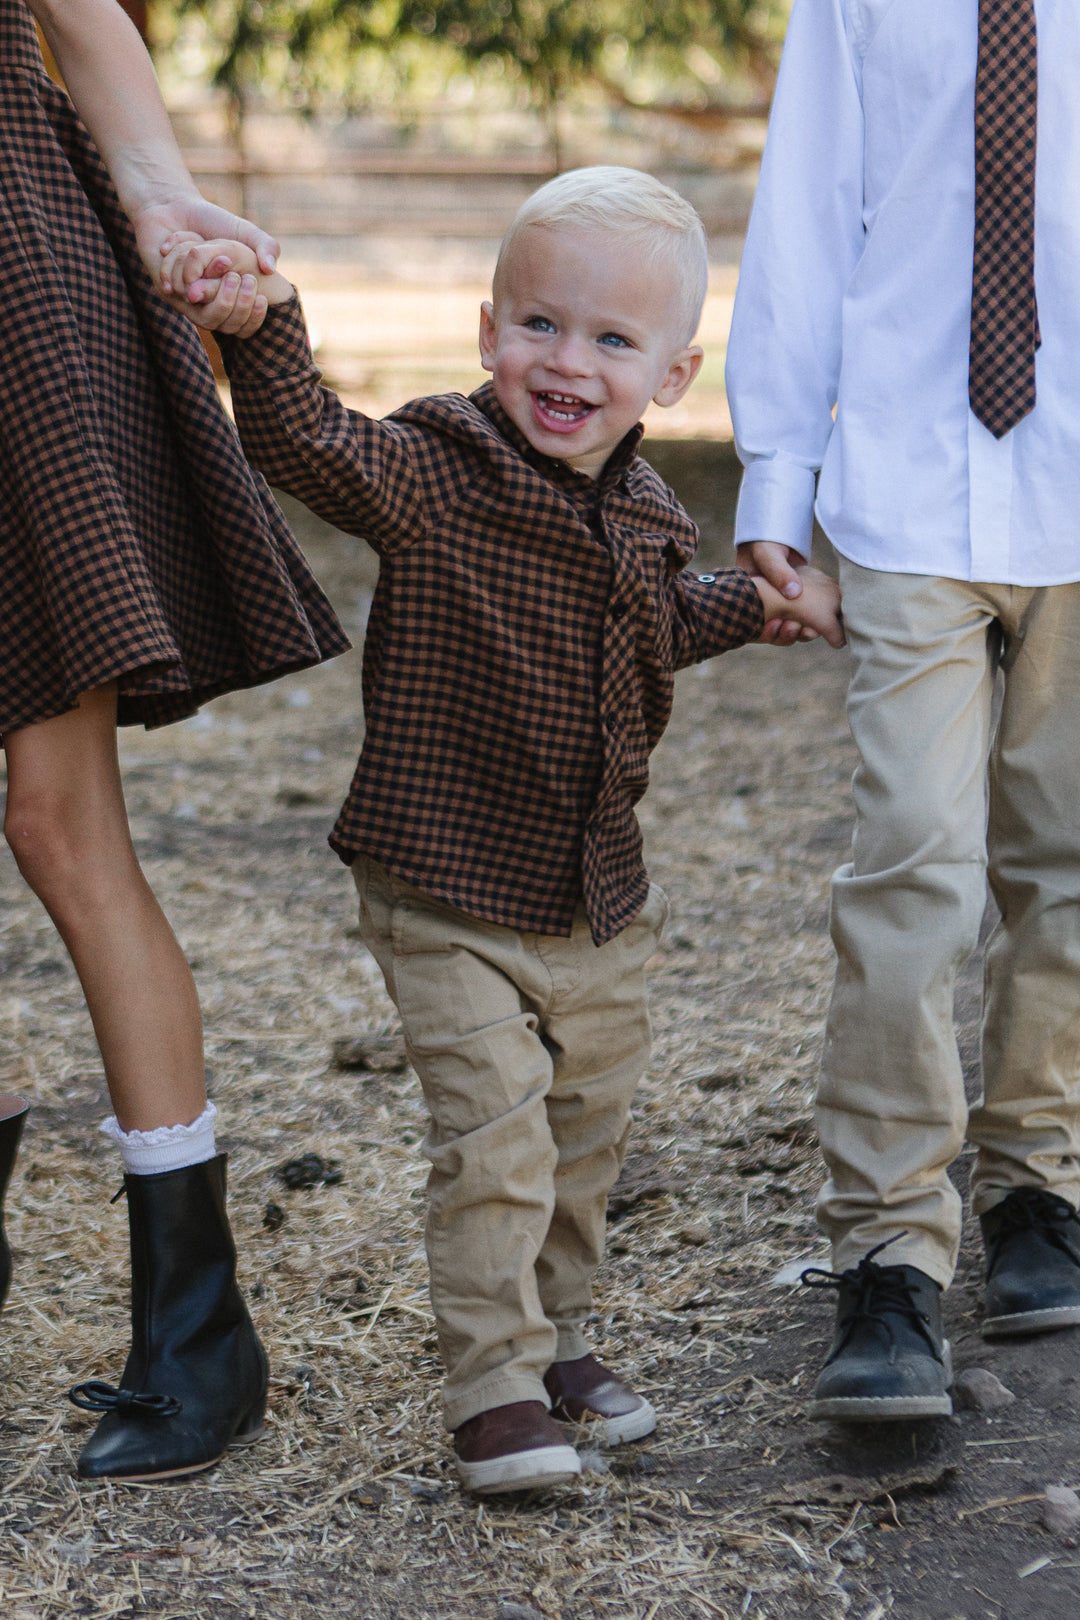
[349, 1505]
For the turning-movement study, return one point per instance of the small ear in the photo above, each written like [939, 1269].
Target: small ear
[488, 335]
[680, 374]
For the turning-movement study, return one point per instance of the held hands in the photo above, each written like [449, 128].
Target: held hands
[801, 603]
[188, 216]
[218, 284]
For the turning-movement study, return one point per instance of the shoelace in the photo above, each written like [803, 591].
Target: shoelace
[95, 1397]
[878, 1290]
[1034, 1209]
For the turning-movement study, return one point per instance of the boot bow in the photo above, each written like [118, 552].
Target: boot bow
[95, 1397]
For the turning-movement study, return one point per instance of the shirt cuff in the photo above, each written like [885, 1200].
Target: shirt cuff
[776, 503]
[726, 611]
[280, 347]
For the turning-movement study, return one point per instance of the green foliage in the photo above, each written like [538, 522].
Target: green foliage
[566, 40]
[310, 50]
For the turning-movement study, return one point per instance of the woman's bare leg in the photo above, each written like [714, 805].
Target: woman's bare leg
[67, 824]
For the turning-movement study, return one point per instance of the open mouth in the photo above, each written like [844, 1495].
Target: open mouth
[562, 412]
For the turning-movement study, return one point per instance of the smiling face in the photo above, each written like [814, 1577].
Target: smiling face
[584, 331]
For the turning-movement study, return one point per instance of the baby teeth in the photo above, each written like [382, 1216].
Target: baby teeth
[552, 400]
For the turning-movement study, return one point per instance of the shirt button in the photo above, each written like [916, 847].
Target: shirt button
[618, 610]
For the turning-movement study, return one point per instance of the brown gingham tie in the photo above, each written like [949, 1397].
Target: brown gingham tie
[1004, 318]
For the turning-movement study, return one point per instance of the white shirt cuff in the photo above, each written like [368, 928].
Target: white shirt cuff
[776, 502]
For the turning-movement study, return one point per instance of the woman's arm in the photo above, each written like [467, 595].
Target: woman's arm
[110, 78]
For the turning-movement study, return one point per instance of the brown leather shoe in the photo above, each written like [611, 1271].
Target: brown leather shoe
[513, 1448]
[585, 1393]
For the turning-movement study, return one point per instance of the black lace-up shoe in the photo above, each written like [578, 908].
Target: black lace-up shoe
[889, 1358]
[1032, 1241]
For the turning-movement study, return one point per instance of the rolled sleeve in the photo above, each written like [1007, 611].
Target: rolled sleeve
[280, 348]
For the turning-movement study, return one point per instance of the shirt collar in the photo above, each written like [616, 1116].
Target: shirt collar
[582, 489]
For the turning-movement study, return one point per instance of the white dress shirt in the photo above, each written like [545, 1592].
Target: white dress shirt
[848, 358]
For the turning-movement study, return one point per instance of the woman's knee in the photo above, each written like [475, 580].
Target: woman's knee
[65, 821]
[43, 834]
[68, 851]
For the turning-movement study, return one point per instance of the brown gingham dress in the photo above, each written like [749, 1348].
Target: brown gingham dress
[136, 544]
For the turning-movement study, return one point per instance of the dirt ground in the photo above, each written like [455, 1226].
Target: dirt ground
[349, 1505]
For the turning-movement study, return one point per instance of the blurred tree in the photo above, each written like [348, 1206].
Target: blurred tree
[306, 48]
[555, 45]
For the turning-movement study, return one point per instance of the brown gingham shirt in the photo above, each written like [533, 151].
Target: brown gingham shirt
[522, 643]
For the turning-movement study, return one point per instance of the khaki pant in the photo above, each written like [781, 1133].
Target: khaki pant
[930, 817]
[529, 1048]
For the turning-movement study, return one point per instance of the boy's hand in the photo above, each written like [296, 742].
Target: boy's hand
[217, 285]
[192, 260]
[779, 566]
[815, 611]
[233, 304]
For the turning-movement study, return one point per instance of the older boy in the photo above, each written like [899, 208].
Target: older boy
[902, 138]
[532, 607]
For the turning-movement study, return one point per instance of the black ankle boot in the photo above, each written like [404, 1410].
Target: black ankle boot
[1032, 1241]
[889, 1357]
[195, 1380]
[12, 1116]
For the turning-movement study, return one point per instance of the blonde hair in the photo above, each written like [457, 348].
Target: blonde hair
[657, 220]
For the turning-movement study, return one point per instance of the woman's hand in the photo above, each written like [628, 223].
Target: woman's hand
[111, 80]
[161, 225]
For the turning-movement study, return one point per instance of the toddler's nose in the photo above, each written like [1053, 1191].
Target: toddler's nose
[572, 356]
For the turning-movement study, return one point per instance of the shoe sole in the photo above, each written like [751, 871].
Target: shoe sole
[235, 1444]
[886, 1408]
[1021, 1323]
[614, 1431]
[535, 1470]
[868, 1409]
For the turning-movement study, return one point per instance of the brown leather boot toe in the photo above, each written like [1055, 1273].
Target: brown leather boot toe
[585, 1393]
[515, 1447]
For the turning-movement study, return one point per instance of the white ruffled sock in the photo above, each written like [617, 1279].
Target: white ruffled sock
[169, 1147]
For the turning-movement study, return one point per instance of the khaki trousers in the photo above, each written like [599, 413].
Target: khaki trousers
[529, 1048]
[931, 817]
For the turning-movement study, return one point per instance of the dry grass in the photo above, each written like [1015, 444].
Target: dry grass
[349, 1505]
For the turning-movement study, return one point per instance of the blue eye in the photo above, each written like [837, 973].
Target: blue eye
[613, 340]
[538, 323]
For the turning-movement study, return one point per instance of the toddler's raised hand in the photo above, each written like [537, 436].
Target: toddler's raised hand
[215, 284]
[193, 265]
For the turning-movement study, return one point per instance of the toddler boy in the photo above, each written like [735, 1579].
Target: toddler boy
[532, 607]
